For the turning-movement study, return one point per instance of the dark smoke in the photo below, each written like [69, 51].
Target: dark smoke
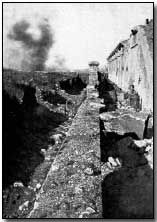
[36, 49]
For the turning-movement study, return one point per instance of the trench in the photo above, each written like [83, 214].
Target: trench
[73, 86]
[29, 147]
[29, 150]
[127, 191]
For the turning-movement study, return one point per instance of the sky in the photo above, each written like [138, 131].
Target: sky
[82, 31]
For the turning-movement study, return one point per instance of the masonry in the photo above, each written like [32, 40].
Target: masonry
[131, 63]
[97, 153]
[72, 188]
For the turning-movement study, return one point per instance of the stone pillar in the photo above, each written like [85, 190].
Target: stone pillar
[93, 78]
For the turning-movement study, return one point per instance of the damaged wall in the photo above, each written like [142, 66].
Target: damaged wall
[131, 62]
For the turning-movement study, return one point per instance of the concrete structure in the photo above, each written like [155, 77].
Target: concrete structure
[131, 63]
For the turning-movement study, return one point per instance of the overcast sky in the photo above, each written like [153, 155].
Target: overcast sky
[83, 32]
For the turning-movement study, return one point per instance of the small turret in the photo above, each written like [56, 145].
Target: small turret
[93, 75]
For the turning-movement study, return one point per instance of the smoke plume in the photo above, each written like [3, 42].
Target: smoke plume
[35, 50]
[58, 64]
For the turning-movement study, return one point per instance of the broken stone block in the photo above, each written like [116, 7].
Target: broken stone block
[96, 105]
[88, 171]
[38, 186]
[148, 148]
[24, 205]
[18, 184]
[149, 141]
[87, 212]
[43, 151]
[56, 138]
[106, 116]
[112, 161]
[140, 143]
[90, 210]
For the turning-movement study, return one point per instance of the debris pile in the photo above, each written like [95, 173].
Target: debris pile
[126, 142]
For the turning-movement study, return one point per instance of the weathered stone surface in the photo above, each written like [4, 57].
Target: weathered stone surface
[124, 121]
[73, 184]
[140, 143]
[131, 62]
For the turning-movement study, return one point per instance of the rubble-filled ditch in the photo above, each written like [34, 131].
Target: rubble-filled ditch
[34, 127]
[126, 143]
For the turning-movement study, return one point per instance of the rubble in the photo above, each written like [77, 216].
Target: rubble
[86, 213]
[74, 180]
[127, 184]
[38, 186]
[24, 205]
[18, 184]
[88, 171]
[114, 162]
[97, 166]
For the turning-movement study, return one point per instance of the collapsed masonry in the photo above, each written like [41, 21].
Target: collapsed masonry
[100, 174]
[126, 151]
[131, 63]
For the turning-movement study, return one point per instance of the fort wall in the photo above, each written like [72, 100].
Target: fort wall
[131, 63]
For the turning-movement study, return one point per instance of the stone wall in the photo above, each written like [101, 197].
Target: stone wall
[131, 62]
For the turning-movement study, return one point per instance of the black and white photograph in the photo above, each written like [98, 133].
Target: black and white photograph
[77, 110]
